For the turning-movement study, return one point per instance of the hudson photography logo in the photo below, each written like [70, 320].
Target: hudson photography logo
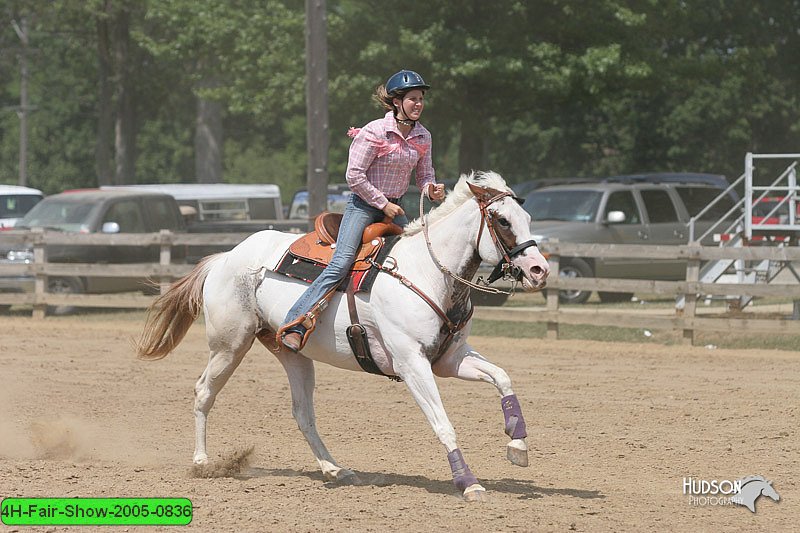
[744, 491]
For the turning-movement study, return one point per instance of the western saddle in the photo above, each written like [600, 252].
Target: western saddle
[319, 245]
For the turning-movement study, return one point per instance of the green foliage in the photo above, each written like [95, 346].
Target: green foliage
[61, 92]
[531, 89]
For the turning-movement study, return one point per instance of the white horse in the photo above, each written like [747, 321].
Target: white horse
[243, 299]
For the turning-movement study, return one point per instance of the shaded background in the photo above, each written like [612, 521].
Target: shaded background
[201, 90]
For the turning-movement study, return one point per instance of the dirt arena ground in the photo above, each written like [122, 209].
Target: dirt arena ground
[613, 431]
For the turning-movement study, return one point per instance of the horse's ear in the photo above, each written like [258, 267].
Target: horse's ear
[480, 193]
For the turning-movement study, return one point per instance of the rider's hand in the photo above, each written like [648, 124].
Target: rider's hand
[436, 191]
[392, 210]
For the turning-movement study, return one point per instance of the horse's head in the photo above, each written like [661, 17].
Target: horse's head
[504, 236]
[768, 491]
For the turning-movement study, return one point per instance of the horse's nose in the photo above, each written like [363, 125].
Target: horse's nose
[539, 272]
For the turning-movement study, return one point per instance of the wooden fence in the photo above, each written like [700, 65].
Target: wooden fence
[685, 320]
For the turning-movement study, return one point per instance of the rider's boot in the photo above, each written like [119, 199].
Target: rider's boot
[294, 335]
[292, 338]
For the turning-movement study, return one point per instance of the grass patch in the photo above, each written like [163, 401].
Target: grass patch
[537, 330]
[732, 340]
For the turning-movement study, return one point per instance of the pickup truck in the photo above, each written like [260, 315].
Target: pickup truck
[95, 211]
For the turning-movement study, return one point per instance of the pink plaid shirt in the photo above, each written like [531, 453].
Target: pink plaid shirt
[381, 160]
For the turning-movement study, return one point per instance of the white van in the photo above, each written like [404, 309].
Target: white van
[219, 202]
[15, 201]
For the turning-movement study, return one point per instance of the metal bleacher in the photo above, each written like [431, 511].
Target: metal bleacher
[779, 226]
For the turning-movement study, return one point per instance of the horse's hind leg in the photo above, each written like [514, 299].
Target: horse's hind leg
[465, 363]
[300, 371]
[223, 359]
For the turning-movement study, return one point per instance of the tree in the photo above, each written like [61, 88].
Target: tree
[530, 89]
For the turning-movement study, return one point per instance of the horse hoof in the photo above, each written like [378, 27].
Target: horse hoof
[348, 478]
[343, 477]
[517, 452]
[475, 493]
[200, 460]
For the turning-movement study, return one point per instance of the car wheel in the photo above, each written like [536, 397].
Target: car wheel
[575, 268]
[63, 286]
[614, 297]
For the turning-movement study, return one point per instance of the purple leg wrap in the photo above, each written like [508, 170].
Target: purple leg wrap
[515, 424]
[462, 475]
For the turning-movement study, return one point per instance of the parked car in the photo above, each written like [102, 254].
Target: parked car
[338, 194]
[15, 201]
[618, 211]
[768, 214]
[773, 210]
[224, 208]
[95, 211]
[219, 202]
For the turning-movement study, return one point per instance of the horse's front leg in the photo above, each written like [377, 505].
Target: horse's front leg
[300, 371]
[418, 377]
[465, 363]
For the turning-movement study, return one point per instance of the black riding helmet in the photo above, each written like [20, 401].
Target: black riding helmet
[404, 81]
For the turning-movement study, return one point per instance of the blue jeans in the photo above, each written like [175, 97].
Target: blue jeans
[357, 216]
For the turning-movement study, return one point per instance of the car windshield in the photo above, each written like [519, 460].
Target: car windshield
[63, 215]
[567, 206]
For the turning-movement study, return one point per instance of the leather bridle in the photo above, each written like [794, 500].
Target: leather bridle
[505, 267]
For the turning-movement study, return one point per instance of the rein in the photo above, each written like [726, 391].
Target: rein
[504, 268]
[452, 327]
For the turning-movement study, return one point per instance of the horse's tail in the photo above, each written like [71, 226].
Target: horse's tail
[171, 314]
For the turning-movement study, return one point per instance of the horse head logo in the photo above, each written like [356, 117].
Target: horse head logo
[752, 488]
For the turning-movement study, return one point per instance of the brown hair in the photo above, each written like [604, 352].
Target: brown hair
[383, 98]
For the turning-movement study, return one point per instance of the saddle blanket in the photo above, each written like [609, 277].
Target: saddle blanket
[303, 269]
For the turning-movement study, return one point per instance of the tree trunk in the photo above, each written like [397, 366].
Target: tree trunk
[125, 136]
[208, 142]
[105, 116]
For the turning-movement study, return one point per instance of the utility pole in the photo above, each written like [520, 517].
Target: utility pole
[22, 113]
[316, 107]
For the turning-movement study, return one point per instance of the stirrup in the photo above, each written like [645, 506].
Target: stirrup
[309, 323]
[308, 320]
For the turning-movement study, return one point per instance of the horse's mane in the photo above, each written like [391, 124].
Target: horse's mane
[460, 194]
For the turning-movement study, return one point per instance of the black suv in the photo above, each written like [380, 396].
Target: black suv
[94, 211]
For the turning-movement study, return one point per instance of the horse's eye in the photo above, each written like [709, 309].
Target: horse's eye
[504, 222]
